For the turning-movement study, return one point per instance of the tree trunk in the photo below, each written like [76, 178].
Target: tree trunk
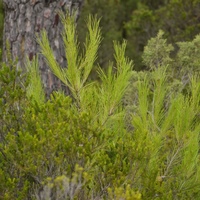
[24, 19]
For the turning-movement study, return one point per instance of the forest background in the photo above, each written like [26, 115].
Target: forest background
[137, 21]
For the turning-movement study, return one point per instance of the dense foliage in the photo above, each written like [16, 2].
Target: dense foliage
[139, 20]
[130, 135]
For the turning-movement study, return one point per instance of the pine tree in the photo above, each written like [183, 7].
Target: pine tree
[24, 20]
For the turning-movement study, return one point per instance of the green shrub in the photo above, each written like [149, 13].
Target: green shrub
[56, 135]
[163, 112]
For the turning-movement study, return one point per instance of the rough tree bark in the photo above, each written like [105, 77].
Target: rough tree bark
[24, 19]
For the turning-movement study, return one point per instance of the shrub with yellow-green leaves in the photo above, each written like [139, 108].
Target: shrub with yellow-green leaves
[55, 135]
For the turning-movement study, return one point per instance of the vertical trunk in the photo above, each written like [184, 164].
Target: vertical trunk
[24, 19]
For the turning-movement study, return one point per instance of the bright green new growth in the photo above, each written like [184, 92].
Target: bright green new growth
[78, 69]
[35, 88]
[108, 94]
